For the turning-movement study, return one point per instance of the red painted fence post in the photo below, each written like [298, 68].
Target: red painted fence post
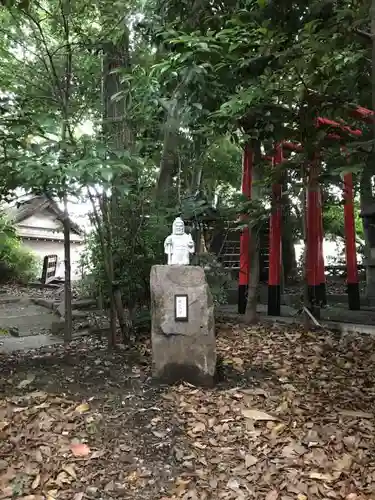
[321, 271]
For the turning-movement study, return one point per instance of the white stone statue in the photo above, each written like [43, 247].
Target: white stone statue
[179, 245]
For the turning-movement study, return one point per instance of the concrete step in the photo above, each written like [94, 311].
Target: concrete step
[27, 324]
[11, 344]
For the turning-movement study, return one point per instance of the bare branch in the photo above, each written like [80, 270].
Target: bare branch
[53, 69]
[42, 60]
[364, 34]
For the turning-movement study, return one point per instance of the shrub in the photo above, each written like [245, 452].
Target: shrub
[137, 245]
[218, 278]
[16, 262]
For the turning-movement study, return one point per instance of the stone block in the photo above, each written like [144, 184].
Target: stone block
[43, 302]
[57, 326]
[182, 350]
[10, 300]
[60, 309]
[84, 303]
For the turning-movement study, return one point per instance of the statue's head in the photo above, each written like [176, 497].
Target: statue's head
[178, 226]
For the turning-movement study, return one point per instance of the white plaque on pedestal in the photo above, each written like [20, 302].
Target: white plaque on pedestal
[181, 308]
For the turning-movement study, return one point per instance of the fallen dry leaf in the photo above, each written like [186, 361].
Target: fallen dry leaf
[213, 483]
[63, 478]
[322, 477]
[38, 456]
[293, 449]
[272, 495]
[257, 415]
[6, 492]
[208, 448]
[200, 446]
[82, 408]
[41, 395]
[344, 463]
[3, 425]
[80, 449]
[31, 497]
[52, 494]
[24, 383]
[356, 414]
[278, 429]
[255, 392]
[199, 428]
[190, 495]
[250, 460]
[69, 469]
[233, 484]
[36, 482]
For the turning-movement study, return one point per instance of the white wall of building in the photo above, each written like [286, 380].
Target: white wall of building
[43, 235]
[42, 248]
[44, 225]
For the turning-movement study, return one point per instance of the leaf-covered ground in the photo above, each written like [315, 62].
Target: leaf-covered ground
[291, 417]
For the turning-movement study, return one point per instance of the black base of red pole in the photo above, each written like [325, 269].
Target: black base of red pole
[354, 299]
[313, 294]
[274, 300]
[242, 298]
[323, 294]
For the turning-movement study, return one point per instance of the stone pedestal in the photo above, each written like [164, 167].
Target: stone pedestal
[182, 350]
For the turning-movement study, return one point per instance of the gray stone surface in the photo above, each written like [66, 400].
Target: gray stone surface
[182, 350]
[11, 344]
[48, 303]
[8, 299]
[23, 318]
[229, 313]
[333, 313]
[84, 303]
[57, 326]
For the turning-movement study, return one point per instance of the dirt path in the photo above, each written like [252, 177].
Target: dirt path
[292, 417]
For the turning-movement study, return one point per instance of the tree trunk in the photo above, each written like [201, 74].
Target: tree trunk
[68, 327]
[366, 192]
[372, 13]
[251, 315]
[124, 315]
[102, 227]
[289, 261]
[111, 275]
[305, 293]
[196, 178]
[367, 199]
[111, 339]
[169, 160]
[288, 250]
[65, 94]
[119, 137]
[254, 242]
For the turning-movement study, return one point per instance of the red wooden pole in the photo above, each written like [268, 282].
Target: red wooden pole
[350, 246]
[243, 278]
[274, 269]
[321, 270]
